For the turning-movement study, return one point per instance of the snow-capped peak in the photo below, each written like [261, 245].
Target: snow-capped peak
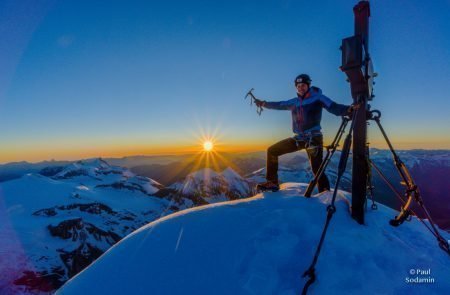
[202, 179]
[229, 173]
[203, 174]
[89, 168]
[95, 162]
[209, 186]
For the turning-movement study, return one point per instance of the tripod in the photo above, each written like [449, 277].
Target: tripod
[411, 192]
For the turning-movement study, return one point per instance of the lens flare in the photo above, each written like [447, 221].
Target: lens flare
[208, 146]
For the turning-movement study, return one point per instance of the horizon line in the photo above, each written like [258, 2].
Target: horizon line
[186, 153]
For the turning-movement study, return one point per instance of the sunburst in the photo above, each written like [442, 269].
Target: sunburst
[208, 145]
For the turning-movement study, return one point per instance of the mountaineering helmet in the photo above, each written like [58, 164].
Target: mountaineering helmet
[302, 78]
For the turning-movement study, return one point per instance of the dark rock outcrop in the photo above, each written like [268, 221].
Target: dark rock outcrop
[51, 171]
[42, 281]
[78, 259]
[124, 185]
[76, 229]
[93, 208]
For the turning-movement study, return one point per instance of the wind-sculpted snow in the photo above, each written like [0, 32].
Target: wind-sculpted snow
[262, 245]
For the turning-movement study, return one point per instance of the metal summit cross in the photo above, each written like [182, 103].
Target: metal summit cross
[357, 65]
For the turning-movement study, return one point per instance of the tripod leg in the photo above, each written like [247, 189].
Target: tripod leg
[331, 209]
[370, 187]
[319, 173]
[412, 191]
[330, 151]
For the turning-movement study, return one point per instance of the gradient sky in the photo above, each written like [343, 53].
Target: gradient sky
[114, 78]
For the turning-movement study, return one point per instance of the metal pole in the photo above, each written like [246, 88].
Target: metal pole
[360, 169]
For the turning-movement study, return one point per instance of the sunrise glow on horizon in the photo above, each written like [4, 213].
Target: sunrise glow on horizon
[62, 154]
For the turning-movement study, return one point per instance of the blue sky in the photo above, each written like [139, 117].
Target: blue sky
[95, 78]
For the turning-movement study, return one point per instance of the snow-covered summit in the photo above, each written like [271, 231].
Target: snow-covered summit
[205, 178]
[100, 173]
[230, 174]
[210, 186]
[262, 245]
[93, 168]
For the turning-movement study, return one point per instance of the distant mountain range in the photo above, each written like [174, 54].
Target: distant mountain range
[429, 169]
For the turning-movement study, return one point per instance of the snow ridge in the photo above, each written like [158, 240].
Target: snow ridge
[262, 245]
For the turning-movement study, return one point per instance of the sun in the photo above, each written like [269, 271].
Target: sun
[208, 146]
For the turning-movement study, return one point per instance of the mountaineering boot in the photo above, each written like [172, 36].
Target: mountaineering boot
[268, 186]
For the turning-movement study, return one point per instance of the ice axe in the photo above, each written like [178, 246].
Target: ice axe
[259, 109]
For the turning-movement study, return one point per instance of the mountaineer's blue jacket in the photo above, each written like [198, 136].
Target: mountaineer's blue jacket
[307, 111]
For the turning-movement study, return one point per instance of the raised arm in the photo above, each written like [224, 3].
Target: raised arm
[279, 105]
[335, 108]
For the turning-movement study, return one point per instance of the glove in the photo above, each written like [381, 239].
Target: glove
[351, 109]
[259, 103]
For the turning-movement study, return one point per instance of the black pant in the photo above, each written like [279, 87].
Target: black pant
[314, 149]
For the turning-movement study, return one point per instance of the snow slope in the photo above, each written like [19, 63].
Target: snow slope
[51, 227]
[262, 246]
